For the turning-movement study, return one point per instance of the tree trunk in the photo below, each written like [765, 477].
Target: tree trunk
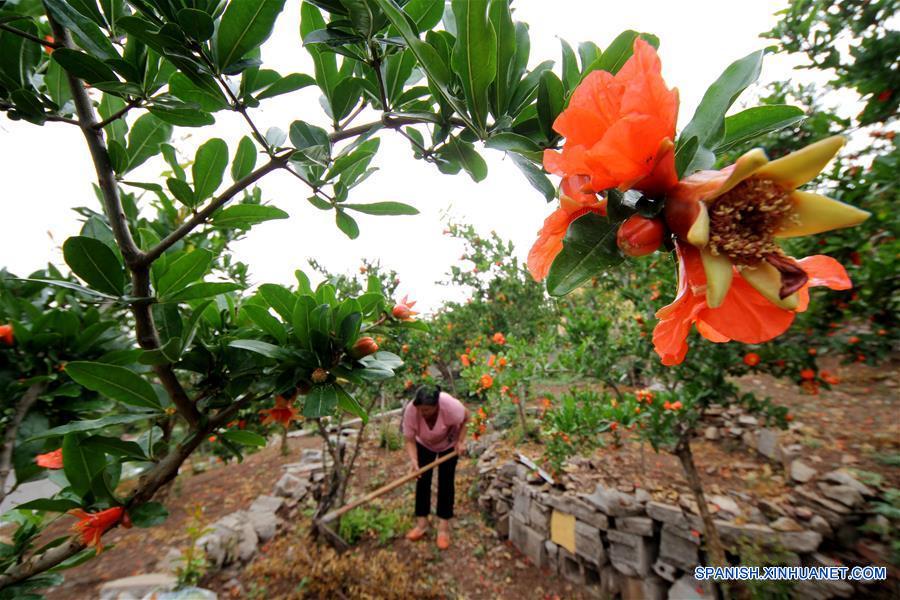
[713, 541]
[24, 405]
[447, 372]
[285, 449]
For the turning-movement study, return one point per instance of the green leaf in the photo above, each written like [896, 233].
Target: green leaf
[196, 23]
[269, 324]
[244, 215]
[115, 382]
[382, 208]
[684, 154]
[95, 424]
[263, 348]
[286, 84]
[550, 101]
[181, 114]
[148, 514]
[209, 97]
[95, 263]
[57, 83]
[244, 159]
[300, 320]
[347, 224]
[145, 138]
[588, 249]
[86, 32]
[280, 299]
[571, 76]
[182, 191]
[429, 60]
[183, 271]
[83, 66]
[59, 505]
[209, 168]
[245, 25]
[505, 34]
[708, 123]
[321, 401]
[464, 154]
[115, 447]
[535, 176]
[203, 289]
[754, 122]
[474, 57]
[80, 464]
[244, 438]
[619, 51]
[349, 404]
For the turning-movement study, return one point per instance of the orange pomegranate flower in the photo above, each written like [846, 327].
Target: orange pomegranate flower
[6, 334]
[486, 381]
[736, 216]
[499, 338]
[620, 132]
[50, 460]
[744, 315]
[284, 412]
[92, 526]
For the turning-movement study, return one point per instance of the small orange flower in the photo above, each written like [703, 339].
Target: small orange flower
[789, 417]
[491, 360]
[829, 378]
[812, 352]
[751, 359]
[667, 405]
[92, 526]
[50, 460]
[486, 382]
[807, 374]
[613, 426]
[853, 340]
[6, 334]
[212, 439]
[363, 347]
[502, 362]
[504, 390]
[499, 338]
[676, 405]
[404, 348]
[284, 411]
[407, 384]
[464, 359]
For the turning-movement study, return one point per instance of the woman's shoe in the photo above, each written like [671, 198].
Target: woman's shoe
[415, 534]
[443, 540]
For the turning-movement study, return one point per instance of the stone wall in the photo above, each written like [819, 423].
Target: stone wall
[628, 545]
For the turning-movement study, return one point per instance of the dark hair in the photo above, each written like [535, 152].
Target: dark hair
[427, 395]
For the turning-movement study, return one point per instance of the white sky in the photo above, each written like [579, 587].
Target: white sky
[47, 171]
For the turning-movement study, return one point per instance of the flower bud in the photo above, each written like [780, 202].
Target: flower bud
[403, 309]
[6, 334]
[364, 346]
[319, 375]
[751, 359]
[639, 236]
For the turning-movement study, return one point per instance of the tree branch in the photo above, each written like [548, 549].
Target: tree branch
[133, 103]
[145, 329]
[200, 217]
[28, 36]
[24, 404]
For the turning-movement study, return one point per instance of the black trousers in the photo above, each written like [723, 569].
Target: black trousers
[446, 488]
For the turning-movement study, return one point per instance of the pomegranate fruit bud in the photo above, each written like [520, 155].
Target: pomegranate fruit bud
[639, 236]
[364, 346]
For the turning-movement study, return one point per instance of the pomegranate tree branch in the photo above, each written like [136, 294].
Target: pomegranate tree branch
[24, 404]
[145, 328]
[200, 217]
